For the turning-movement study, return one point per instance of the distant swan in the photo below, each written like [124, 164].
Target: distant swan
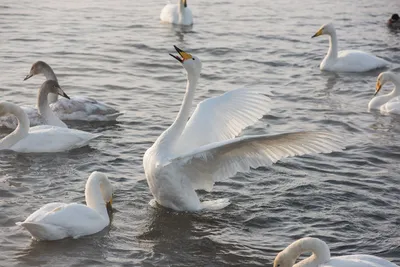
[347, 60]
[177, 13]
[58, 220]
[321, 256]
[76, 108]
[193, 154]
[43, 138]
[389, 103]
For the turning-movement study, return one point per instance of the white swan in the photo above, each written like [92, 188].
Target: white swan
[193, 154]
[177, 13]
[58, 220]
[75, 108]
[42, 138]
[348, 60]
[389, 103]
[321, 256]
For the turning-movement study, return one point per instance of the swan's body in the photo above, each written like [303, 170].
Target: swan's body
[389, 103]
[75, 108]
[177, 13]
[42, 138]
[321, 256]
[348, 60]
[56, 221]
[394, 22]
[192, 155]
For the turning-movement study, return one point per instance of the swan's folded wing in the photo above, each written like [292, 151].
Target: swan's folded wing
[40, 213]
[222, 118]
[217, 161]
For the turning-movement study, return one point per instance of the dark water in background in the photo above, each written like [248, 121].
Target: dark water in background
[117, 52]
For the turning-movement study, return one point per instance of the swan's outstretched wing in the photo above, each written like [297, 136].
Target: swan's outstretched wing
[217, 161]
[222, 118]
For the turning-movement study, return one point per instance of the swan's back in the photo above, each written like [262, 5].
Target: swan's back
[360, 260]
[46, 138]
[357, 61]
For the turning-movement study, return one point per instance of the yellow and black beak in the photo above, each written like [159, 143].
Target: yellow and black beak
[109, 206]
[318, 33]
[183, 54]
[184, 3]
[378, 87]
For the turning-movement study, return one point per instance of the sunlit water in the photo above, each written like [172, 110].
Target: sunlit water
[117, 52]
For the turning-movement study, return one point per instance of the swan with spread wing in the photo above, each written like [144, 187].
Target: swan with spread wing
[193, 154]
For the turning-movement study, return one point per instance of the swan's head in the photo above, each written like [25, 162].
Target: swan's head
[184, 3]
[106, 188]
[38, 67]
[325, 29]
[53, 87]
[192, 64]
[383, 78]
[283, 259]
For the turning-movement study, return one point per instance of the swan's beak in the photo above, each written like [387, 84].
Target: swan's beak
[318, 33]
[378, 87]
[184, 3]
[62, 93]
[109, 206]
[182, 53]
[28, 76]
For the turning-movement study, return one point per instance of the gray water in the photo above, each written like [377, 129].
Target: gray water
[117, 52]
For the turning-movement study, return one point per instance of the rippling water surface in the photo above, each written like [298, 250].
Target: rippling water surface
[117, 52]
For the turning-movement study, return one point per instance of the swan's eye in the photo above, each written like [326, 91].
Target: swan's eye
[193, 58]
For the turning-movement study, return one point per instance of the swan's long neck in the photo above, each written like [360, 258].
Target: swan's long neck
[45, 110]
[172, 134]
[20, 132]
[50, 75]
[94, 198]
[181, 7]
[378, 101]
[333, 47]
[318, 248]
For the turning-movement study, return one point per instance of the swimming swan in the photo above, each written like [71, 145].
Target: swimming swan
[177, 13]
[321, 256]
[58, 220]
[347, 60]
[75, 108]
[193, 154]
[389, 103]
[42, 138]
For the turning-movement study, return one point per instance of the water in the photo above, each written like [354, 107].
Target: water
[117, 52]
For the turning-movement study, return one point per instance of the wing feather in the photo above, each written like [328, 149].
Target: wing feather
[213, 162]
[223, 117]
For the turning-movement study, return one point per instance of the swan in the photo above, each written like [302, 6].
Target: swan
[321, 256]
[76, 108]
[347, 60]
[42, 138]
[42, 115]
[394, 22]
[177, 13]
[389, 103]
[59, 220]
[193, 154]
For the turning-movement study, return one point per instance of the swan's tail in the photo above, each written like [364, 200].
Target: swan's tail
[44, 231]
[215, 204]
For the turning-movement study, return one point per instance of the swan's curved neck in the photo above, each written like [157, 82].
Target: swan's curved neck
[378, 101]
[45, 110]
[333, 46]
[50, 75]
[318, 248]
[94, 198]
[172, 134]
[20, 132]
